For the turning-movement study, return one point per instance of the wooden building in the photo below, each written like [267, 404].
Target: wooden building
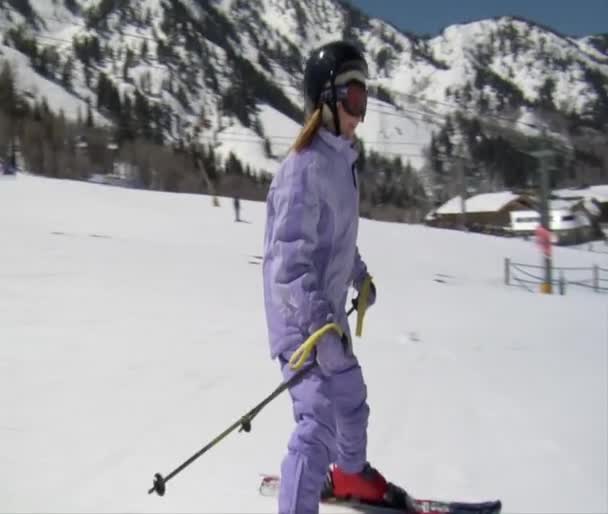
[486, 212]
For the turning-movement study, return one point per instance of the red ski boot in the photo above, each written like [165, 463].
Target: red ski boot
[367, 486]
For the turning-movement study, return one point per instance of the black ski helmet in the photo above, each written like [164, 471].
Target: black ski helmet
[322, 67]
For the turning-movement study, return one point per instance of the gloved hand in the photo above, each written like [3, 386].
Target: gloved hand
[334, 353]
[371, 297]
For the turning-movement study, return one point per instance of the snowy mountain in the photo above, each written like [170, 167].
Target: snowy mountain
[222, 72]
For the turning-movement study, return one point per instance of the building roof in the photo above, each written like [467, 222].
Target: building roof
[599, 193]
[562, 204]
[485, 202]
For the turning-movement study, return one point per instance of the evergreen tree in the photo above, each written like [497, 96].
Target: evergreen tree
[267, 148]
[8, 93]
[545, 94]
[125, 121]
[90, 123]
[142, 114]
[67, 73]
[233, 165]
[129, 61]
[72, 6]
[144, 50]
[102, 90]
[87, 75]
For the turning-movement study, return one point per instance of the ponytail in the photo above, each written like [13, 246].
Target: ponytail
[308, 130]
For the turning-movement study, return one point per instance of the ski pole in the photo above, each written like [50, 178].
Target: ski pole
[244, 423]
[159, 483]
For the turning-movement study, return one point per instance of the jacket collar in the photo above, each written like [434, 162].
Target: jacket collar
[340, 144]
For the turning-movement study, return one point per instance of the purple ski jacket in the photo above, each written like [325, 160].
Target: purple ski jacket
[310, 243]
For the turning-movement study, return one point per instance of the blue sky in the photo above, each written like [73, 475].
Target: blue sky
[571, 17]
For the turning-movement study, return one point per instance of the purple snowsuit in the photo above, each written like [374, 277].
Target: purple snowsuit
[310, 260]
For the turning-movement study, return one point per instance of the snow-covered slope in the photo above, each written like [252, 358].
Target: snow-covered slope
[34, 86]
[132, 333]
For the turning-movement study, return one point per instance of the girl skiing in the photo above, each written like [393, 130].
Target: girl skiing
[310, 260]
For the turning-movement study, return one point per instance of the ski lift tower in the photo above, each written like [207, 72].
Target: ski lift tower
[544, 158]
[113, 147]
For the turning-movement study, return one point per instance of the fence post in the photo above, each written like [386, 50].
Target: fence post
[562, 283]
[596, 278]
[507, 270]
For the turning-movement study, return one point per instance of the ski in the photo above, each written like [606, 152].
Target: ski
[400, 502]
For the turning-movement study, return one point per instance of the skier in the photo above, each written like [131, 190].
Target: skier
[236, 202]
[310, 260]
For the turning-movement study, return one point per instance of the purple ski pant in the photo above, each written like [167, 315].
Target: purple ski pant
[331, 414]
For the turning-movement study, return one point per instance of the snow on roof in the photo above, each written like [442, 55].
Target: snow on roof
[485, 202]
[591, 207]
[561, 204]
[599, 192]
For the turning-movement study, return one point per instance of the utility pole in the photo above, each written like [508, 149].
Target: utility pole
[543, 157]
[463, 194]
[12, 163]
[544, 221]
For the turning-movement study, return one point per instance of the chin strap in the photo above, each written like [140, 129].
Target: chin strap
[334, 108]
[333, 105]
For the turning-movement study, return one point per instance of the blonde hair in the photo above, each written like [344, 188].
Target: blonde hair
[308, 130]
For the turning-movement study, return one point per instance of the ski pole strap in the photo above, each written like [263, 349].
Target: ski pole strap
[362, 304]
[300, 356]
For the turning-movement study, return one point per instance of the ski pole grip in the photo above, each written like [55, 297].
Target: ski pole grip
[300, 356]
[362, 304]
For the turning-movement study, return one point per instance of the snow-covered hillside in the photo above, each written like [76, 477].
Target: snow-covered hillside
[132, 333]
[519, 52]
[34, 86]
[188, 57]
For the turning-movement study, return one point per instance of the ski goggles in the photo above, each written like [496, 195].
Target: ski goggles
[353, 97]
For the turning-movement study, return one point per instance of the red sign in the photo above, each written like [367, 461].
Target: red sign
[543, 239]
